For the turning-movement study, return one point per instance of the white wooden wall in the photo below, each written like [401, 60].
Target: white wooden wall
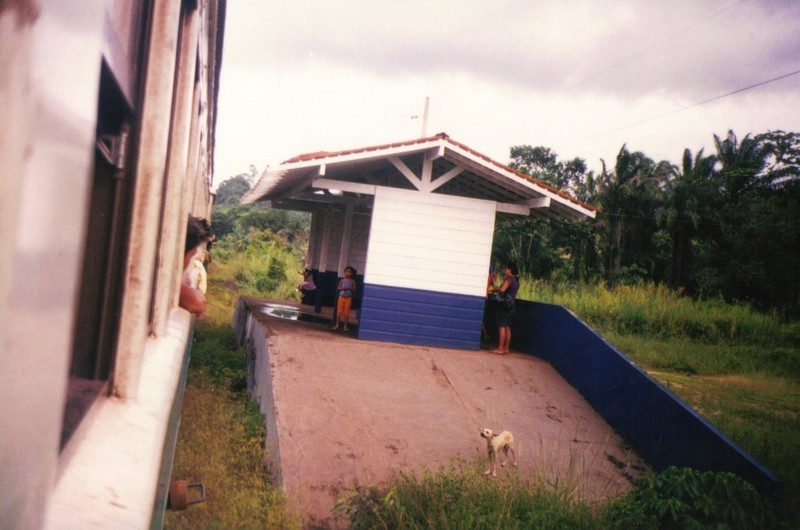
[359, 241]
[431, 242]
[332, 222]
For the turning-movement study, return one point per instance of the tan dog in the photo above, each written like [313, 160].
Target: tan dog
[496, 444]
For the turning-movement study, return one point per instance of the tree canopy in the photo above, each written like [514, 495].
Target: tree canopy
[725, 224]
[231, 190]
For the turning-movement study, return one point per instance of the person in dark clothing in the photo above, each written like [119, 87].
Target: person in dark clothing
[509, 287]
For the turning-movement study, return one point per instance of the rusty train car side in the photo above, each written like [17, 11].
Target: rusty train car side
[107, 116]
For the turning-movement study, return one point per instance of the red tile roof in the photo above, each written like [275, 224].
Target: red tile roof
[307, 157]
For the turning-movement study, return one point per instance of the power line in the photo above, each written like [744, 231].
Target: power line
[675, 111]
[627, 58]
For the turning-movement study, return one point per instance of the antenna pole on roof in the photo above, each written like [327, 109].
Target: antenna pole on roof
[425, 118]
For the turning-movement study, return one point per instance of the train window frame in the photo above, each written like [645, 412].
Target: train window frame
[107, 234]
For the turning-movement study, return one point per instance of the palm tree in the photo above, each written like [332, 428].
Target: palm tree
[627, 195]
[740, 164]
[688, 199]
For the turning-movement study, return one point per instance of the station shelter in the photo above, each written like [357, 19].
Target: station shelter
[416, 220]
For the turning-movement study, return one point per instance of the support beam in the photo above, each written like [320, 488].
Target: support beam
[447, 177]
[406, 171]
[347, 228]
[427, 171]
[427, 166]
[311, 258]
[341, 185]
[516, 209]
[326, 239]
[538, 202]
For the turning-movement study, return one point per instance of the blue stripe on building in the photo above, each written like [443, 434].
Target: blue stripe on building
[414, 316]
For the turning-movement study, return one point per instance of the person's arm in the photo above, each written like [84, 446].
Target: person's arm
[504, 286]
[191, 299]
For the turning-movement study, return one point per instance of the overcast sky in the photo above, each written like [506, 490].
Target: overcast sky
[582, 77]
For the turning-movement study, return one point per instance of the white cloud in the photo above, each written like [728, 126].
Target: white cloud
[579, 76]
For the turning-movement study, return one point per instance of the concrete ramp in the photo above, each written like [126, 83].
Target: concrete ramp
[341, 411]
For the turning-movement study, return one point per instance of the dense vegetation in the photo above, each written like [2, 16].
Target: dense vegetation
[462, 498]
[732, 350]
[725, 224]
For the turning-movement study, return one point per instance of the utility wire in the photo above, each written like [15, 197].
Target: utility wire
[627, 58]
[675, 111]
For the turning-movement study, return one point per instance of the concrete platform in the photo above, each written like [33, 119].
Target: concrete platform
[341, 411]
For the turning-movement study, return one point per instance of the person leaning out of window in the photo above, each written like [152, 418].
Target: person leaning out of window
[198, 234]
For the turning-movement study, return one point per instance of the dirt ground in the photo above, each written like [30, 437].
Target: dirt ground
[351, 411]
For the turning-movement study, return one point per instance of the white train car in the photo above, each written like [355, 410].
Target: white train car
[107, 113]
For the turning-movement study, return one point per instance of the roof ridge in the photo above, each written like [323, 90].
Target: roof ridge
[518, 173]
[307, 157]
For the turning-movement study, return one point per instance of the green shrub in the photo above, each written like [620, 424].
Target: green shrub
[215, 352]
[258, 262]
[460, 498]
[683, 498]
[265, 284]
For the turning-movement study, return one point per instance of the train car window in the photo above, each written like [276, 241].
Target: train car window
[108, 227]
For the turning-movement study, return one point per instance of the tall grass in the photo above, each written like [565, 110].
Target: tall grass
[656, 311]
[736, 366]
[267, 266]
[460, 496]
[221, 436]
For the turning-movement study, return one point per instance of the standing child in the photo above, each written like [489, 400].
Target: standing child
[346, 288]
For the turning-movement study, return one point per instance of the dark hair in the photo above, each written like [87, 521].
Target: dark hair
[197, 231]
[514, 269]
[352, 269]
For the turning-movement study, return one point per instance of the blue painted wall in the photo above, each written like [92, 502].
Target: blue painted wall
[413, 316]
[659, 426]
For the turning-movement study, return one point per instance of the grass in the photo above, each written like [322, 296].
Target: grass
[460, 496]
[739, 368]
[759, 413]
[221, 437]
[656, 312]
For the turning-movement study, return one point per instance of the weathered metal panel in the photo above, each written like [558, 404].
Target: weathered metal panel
[50, 61]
